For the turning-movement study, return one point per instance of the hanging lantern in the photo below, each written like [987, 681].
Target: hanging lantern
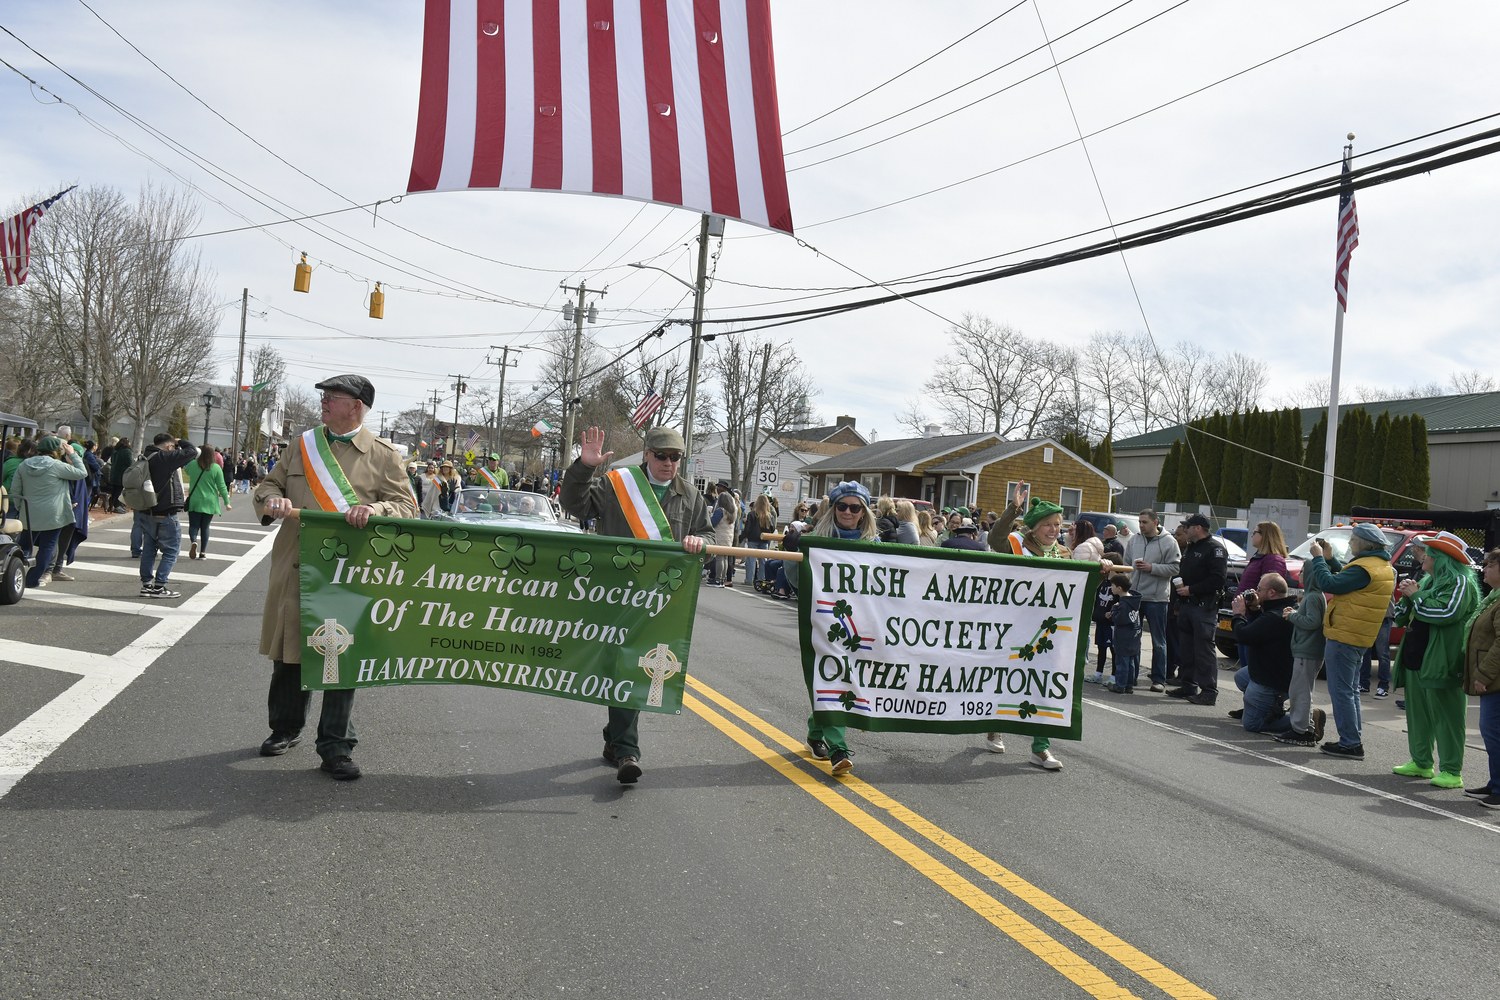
[377, 303]
[303, 281]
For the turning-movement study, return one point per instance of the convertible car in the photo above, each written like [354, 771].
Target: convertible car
[508, 508]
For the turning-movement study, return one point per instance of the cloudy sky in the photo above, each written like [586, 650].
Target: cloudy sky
[332, 89]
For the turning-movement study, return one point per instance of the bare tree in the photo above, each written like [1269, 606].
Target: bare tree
[1191, 382]
[1241, 381]
[1105, 368]
[911, 417]
[1146, 379]
[166, 335]
[1472, 380]
[1312, 394]
[987, 381]
[77, 291]
[666, 375]
[31, 379]
[762, 388]
[269, 370]
[300, 409]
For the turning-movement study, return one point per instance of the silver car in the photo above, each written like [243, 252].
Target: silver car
[505, 508]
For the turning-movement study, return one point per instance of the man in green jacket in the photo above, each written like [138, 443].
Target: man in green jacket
[686, 514]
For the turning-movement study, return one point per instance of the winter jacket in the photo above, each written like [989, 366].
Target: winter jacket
[1126, 624]
[1091, 548]
[1482, 653]
[205, 489]
[587, 496]
[92, 462]
[1204, 568]
[1359, 595]
[1307, 625]
[906, 533]
[11, 465]
[1259, 565]
[1268, 637]
[121, 460]
[47, 487]
[170, 496]
[752, 531]
[887, 527]
[1165, 558]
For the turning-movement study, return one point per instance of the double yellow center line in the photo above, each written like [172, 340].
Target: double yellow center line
[1023, 931]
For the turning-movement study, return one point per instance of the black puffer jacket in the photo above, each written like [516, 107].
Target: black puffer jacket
[1268, 636]
[887, 526]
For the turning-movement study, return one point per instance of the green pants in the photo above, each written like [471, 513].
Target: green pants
[834, 737]
[622, 735]
[1436, 714]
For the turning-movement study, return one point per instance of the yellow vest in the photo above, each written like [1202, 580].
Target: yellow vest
[1354, 619]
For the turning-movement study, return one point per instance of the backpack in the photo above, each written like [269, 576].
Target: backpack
[136, 489]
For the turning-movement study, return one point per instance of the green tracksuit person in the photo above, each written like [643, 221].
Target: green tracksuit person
[1431, 660]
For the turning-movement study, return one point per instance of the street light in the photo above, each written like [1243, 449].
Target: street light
[653, 267]
[208, 409]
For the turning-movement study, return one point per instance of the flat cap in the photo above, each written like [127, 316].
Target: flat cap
[355, 385]
[664, 439]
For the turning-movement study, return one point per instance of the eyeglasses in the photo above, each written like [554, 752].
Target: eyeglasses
[844, 508]
[333, 397]
[667, 456]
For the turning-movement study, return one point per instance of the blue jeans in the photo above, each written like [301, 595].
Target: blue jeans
[752, 564]
[162, 534]
[1489, 729]
[1263, 709]
[1341, 663]
[1380, 651]
[46, 546]
[1127, 668]
[1155, 613]
[135, 534]
[783, 582]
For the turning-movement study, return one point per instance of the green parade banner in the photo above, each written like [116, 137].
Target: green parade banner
[934, 640]
[588, 617]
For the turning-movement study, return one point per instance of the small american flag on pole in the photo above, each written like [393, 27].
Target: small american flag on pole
[471, 440]
[647, 409]
[15, 240]
[1348, 237]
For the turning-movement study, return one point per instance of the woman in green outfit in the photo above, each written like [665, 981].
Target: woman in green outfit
[847, 514]
[206, 488]
[1431, 660]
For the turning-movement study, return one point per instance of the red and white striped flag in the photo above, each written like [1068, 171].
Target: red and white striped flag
[15, 240]
[1348, 238]
[671, 101]
[647, 409]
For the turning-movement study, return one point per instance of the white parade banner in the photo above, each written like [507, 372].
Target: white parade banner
[898, 637]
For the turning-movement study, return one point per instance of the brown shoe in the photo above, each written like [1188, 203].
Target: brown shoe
[1319, 721]
[629, 771]
[193, 552]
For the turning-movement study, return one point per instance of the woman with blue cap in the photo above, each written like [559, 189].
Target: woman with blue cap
[847, 514]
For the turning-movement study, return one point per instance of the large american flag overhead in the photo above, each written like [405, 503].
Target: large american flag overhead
[671, 101]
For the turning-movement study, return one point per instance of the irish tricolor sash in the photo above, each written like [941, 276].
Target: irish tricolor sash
[639, 503]
[485, 475]
[324, 477]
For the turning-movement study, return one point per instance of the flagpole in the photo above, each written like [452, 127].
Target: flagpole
[239, 376]
[1331, 439]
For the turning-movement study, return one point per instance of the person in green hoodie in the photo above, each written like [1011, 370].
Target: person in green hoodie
[1430, 664]
[44, 481]
[206, 487]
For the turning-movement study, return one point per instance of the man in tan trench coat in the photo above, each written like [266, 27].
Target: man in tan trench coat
[374, 469]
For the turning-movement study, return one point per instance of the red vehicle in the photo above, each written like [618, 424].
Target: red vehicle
[1406, 559]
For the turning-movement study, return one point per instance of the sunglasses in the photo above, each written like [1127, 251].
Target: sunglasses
[845, 508]
[668, 456]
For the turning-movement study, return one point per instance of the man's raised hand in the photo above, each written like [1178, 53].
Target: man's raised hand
[593, 454]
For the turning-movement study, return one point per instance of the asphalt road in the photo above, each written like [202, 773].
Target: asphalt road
[488, 852]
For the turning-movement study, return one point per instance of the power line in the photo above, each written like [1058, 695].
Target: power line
[905, 71]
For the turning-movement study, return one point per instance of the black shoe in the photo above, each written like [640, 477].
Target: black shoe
[1356, 752]
[279, 743]
[1296, 739]
[342, 768]
[629, 771]
[1320, 723]
[609, 758]
[1186, 691]
[159, 592]
[1364, 689]
[1236, 713]
[841, 762]
[819, 749]
[1491, 801]
[1203, 698]
[1400, 704]
[1382, 692]
[1483, 791]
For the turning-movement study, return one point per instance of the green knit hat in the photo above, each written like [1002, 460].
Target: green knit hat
[1039, 510]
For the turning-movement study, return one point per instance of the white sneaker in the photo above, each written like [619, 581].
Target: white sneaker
[1046, 761]
[45, 579]
[1095, 679]
[994, 742]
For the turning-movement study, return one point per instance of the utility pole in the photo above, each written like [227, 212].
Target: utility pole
[459, 388]
[713, 225]
[239, 376]
[437, 396]
[569, 399]
[503, 363]
[382, 423]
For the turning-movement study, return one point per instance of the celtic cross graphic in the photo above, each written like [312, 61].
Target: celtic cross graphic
[330, 639]
[659, 664]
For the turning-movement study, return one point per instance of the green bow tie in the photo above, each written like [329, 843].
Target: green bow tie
[346, 438]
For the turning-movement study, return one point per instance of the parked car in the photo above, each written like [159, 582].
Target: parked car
[1239, 536]
[505, 508]
[1099, 519]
